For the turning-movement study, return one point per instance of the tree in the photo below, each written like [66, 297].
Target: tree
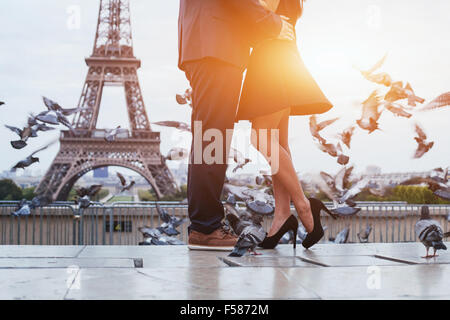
[9, 190]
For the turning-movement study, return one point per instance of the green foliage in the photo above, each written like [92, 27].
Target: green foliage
[28, 193]
[410, 194]
[9, 190]
[151, 196]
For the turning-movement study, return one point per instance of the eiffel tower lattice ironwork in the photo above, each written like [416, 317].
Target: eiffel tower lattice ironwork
[111, 63]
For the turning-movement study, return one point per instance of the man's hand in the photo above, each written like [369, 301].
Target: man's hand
[287, 30]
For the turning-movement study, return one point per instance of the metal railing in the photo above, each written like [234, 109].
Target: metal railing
[118, 223]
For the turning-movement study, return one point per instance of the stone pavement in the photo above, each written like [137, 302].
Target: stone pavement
[327, 271]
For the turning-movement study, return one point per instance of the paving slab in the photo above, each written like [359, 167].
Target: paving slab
[46, 284]
[232, 283]
[347, 261]
[323, 249]
[40, 251]
[159, 256]
[36, 263]
[267, 261]
[395, 282]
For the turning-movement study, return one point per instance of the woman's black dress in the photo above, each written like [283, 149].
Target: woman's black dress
[278, 79]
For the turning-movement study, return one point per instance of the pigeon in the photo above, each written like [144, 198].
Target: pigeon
[380, 78]
[338, 190]
[1, 103]
[84, 195]
[441, 101]
[239, 158]
[430, 232]
[53, 106]
[346, 136]
[363, 236]
[398, 92]
[237, 224]
[153, 236]
[123, 182]
[397, 109]
[248, 240]
[421, 139]
[170, 223]
[175, 124]
[23, 209]
[24, 135]
[342, 236]
[28, 161]
[315, 127]
[438, 187]
[371, 113]
[185, 99]
[259, 197]
[264, 179]
[177, 154]
[111, 135]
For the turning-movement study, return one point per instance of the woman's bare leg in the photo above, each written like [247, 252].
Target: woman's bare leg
[283, 172]
[281, 194]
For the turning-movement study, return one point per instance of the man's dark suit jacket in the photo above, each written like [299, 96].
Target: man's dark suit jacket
[223, 29]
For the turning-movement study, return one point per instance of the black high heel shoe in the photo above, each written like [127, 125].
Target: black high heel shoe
[317, 233]
[291, 224]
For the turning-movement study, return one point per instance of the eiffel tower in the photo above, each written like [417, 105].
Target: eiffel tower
[112, 63]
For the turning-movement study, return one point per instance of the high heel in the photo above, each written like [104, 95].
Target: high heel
[316, 207]
[291, 224]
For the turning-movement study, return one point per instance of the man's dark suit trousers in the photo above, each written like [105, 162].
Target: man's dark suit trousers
[216, 89]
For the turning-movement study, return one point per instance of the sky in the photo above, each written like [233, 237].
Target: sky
[42, 51]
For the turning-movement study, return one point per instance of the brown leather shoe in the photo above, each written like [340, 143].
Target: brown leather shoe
[219, 240]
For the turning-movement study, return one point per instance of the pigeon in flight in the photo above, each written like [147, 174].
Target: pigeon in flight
[186, 98]
[441, 101]
[53, 106]
[175, 124]
[397, 109]
[1, 103]
[346, 136]
[177, 154]
[430, 232]
[398, 92]
[111, 135]
[421, 139]
[84, 196]
[239, 158]
[363, 236]
[28, 161]
[371, 113]
[125, 186]
[437, 182]
[380, 78]
[315, 128]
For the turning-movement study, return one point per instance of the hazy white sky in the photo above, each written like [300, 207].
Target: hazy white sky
[40, 55]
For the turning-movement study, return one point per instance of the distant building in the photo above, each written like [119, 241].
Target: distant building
[394, 178]
[101, 173]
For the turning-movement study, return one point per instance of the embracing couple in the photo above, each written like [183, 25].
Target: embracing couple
[215, 42]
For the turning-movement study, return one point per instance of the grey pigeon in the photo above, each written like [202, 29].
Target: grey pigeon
[125, 186]
[177, 154]
[185, 98]
[53, 106]
[170, 223]
[111, 135]
[248, 240]
[371, 113]
[342, 236]
[430, 232]
[421, 139]
[28, 161]
[23, 209]
[363, 236]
